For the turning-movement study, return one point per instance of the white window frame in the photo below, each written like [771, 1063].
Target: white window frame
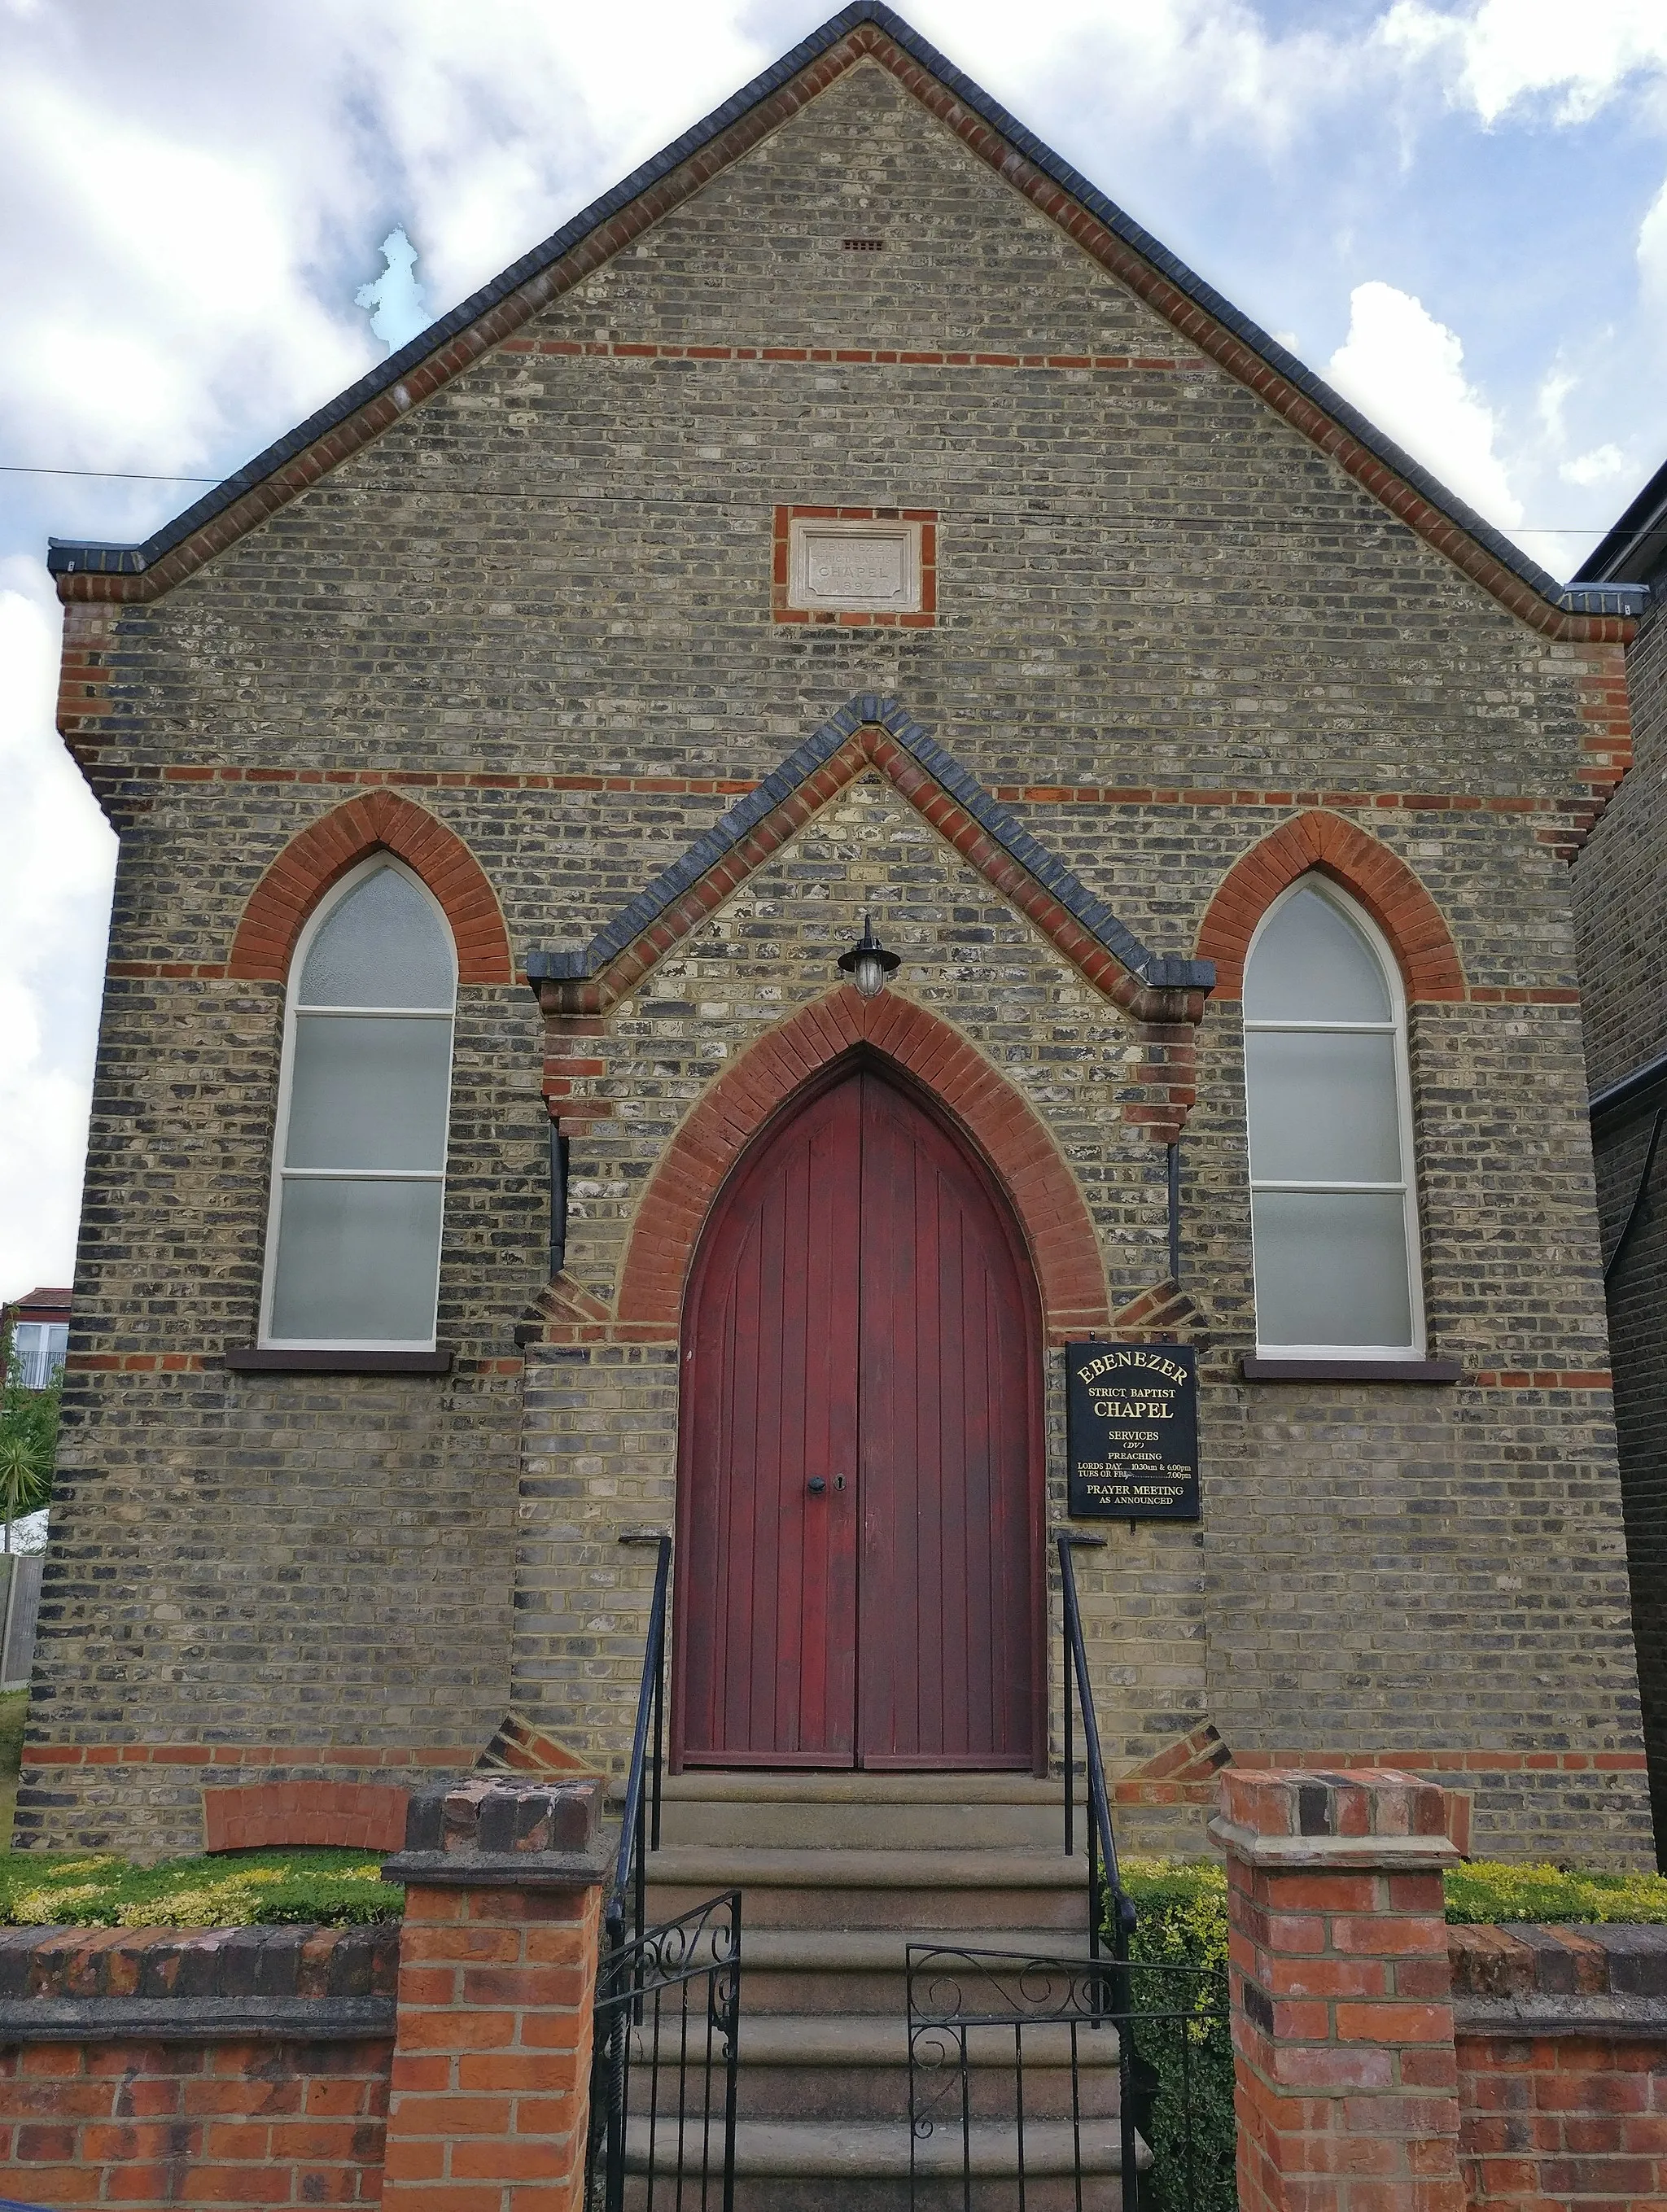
[36, 1356]
[1313, 882]
[292, 1007]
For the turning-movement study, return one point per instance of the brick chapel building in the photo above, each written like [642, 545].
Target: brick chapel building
[853, 513]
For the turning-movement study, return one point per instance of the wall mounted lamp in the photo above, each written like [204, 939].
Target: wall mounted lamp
[869, 963]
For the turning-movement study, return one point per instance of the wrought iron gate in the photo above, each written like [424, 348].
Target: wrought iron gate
[662, 2103]
[1096, 2076]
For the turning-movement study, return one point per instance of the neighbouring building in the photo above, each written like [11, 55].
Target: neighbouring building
[1623, 965]
[853, 514]
[34, 1333]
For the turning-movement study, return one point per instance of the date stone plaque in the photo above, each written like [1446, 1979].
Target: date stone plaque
[1132, 1432]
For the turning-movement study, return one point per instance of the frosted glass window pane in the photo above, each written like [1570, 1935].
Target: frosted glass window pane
[1312, 964]
[369, 1092]
[1331, 1268]
[384, 945]
[1323, 1107]
[358, 1260]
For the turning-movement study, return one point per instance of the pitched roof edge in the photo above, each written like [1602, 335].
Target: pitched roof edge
[1158, 971]
[1635, 544]
[1579, 599]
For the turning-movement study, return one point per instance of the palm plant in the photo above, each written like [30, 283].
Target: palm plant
[26, 1479]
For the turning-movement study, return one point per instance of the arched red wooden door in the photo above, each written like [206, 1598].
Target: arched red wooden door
[859, 1476]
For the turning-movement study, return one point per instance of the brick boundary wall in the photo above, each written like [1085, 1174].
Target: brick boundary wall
[157, 2066]
[440, 2061]
[1561, 2036]
[1387, 2062]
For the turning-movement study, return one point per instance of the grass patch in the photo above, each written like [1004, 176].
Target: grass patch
[232, 1889]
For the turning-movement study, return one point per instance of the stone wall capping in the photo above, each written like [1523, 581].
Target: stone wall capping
[501, 1869]
[194, 2019]
[1333, 1854]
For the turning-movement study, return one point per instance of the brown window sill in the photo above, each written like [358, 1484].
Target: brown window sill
[1257, 1370]
[249, 1361]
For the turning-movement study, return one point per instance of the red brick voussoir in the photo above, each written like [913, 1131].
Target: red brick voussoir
[322, 854]
[1381, 880]
[995, 1116]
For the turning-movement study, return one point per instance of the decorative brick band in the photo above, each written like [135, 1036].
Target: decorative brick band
[1185, 1771]
[1101, 230]
[446, 1756]
[1074, 794]
[853, 356]
[321, 854]
[367, 1816]
[673, 1209]
[201, 1363]
[1385, 886]
[1454, 1762]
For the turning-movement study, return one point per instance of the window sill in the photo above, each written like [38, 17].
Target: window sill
[1255, 1369]
[251, 1361]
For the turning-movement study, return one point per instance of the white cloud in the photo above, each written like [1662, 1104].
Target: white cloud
[1602, 466]
[1652, 252]
[56, 863]
[1197, 69]
[1506, 51]
[1405, 371]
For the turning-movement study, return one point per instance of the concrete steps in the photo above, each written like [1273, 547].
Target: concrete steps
[838, 1875]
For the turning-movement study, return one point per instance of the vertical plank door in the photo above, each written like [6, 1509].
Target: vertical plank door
[860, 1316]
[947, 1632]
[766, 1620]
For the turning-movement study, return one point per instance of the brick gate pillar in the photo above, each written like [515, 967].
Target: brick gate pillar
[497, 1976]
[1345, 2072]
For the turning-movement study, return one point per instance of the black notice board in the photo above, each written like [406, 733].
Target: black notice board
[1132, 1432]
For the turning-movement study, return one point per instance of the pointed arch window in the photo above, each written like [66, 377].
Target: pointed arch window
[1334, 1206]
[359, 1173]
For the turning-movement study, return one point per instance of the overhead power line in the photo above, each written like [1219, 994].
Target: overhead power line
[492, 491]
[128, 475]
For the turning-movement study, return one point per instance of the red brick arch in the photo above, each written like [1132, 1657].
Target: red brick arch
[999, 1120]
[321, 854]
[1382, 882]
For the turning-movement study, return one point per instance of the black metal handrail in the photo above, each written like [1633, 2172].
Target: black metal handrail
[639, 1831]
[1104, 1878]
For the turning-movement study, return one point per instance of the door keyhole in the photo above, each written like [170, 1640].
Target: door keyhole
[839, 1482]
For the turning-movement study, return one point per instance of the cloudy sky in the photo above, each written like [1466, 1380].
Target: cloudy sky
[1456, 210]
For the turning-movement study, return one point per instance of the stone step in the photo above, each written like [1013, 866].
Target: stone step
[847, 1810]
[863, 1970]
[837, 2067]
[961, 1890]
[863, 2166]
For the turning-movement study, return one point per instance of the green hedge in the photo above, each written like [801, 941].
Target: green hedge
[1183, 1924]
[233, 1889]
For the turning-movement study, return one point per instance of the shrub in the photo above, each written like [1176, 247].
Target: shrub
[232, 1889]
[1486, 1891]
[1181, 1939]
